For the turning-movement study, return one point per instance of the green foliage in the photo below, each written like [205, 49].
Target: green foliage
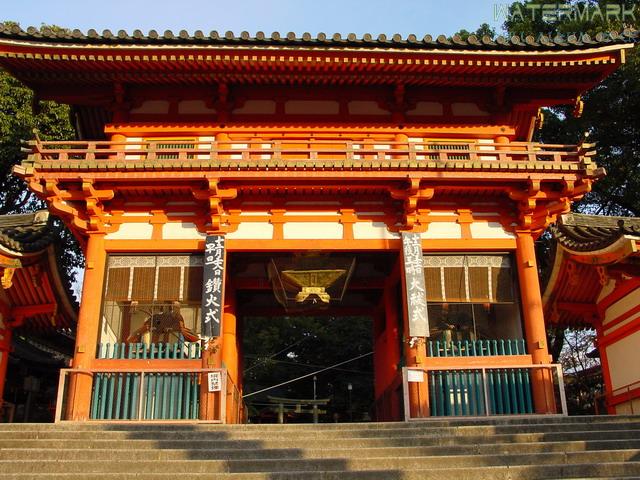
[484, 30]
[20, 114]
[611, 116]
[583, 375]
[304, 345]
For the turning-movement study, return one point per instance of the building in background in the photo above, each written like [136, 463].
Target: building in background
[37, 317]
[594, 283]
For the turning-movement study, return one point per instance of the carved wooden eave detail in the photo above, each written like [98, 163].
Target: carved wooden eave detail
[410, 196]
[81, 209]
[214, 196]
[537, 208]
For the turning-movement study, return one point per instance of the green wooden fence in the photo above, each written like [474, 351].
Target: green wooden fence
[143, 351]
[466, 392]
[165, 396]
[502, 391]
[477, 348]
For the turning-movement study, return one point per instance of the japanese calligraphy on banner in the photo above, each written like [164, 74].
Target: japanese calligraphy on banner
[212, 285]
[414, 283]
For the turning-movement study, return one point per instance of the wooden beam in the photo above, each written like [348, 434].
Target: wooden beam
[579, 308]
[32, 310]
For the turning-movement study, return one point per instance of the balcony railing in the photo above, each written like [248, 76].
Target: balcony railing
[323, 153]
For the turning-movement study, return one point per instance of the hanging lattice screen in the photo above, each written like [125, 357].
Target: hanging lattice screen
[468, 278]
[149, 278]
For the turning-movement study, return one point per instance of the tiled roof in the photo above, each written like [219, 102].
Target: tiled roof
[27, 233]
[586, 233]
[336, 40]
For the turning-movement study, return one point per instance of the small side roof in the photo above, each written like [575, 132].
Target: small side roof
[37, 295]
[27, 233]
[589, 249]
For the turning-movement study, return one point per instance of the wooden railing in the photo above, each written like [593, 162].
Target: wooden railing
[477, 348]
[152, 351]
[260, 151]
[626, 395]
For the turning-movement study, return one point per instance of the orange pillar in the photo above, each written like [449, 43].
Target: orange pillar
[535, 331]
[211, 358]
[387, 356]
[80, 384]
[230, 357]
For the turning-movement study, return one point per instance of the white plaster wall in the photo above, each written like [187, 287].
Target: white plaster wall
[622, 306]
[366, 107]
[427, 108]
[489, 230]
[629, 408]
[153, 107]
[257, 107]
[132, 231]
[253, 231]
[309, 213]
[315, 107]
[624, 360]
[373, 230]
[467, 109]
[607, 290]
[313, 230]
[194, 107]
[443, 230]
[181, 231]
[615, 327]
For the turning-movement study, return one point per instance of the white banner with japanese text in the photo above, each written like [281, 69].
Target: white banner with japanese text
[416, 292]
[213, 285]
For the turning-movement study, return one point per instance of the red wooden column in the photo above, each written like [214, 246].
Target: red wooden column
[230, 352]
[387, 367]
[79, 391]
[535, 331]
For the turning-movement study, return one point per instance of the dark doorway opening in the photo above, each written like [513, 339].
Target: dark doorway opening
[283, 341]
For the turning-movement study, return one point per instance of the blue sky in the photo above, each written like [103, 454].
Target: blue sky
[329, 16]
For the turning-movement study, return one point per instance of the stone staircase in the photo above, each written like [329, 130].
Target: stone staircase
[504, 448]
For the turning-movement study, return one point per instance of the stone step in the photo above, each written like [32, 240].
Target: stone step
[322, 442]
[601, 471]
[319, 464]
[311, 434]
[391, 427]
[440, 421]
[96, 454]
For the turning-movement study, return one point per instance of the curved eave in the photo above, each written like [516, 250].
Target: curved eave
[572, 291]
[625, 246]
[41, 62]
[65, 303]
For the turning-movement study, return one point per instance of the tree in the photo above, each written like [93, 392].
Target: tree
[482, 31]
[20, 114]
[611, 115]
[278, 349]
[583, 377]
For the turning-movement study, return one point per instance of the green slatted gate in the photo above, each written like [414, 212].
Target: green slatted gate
[467, 392]
[165, 396]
